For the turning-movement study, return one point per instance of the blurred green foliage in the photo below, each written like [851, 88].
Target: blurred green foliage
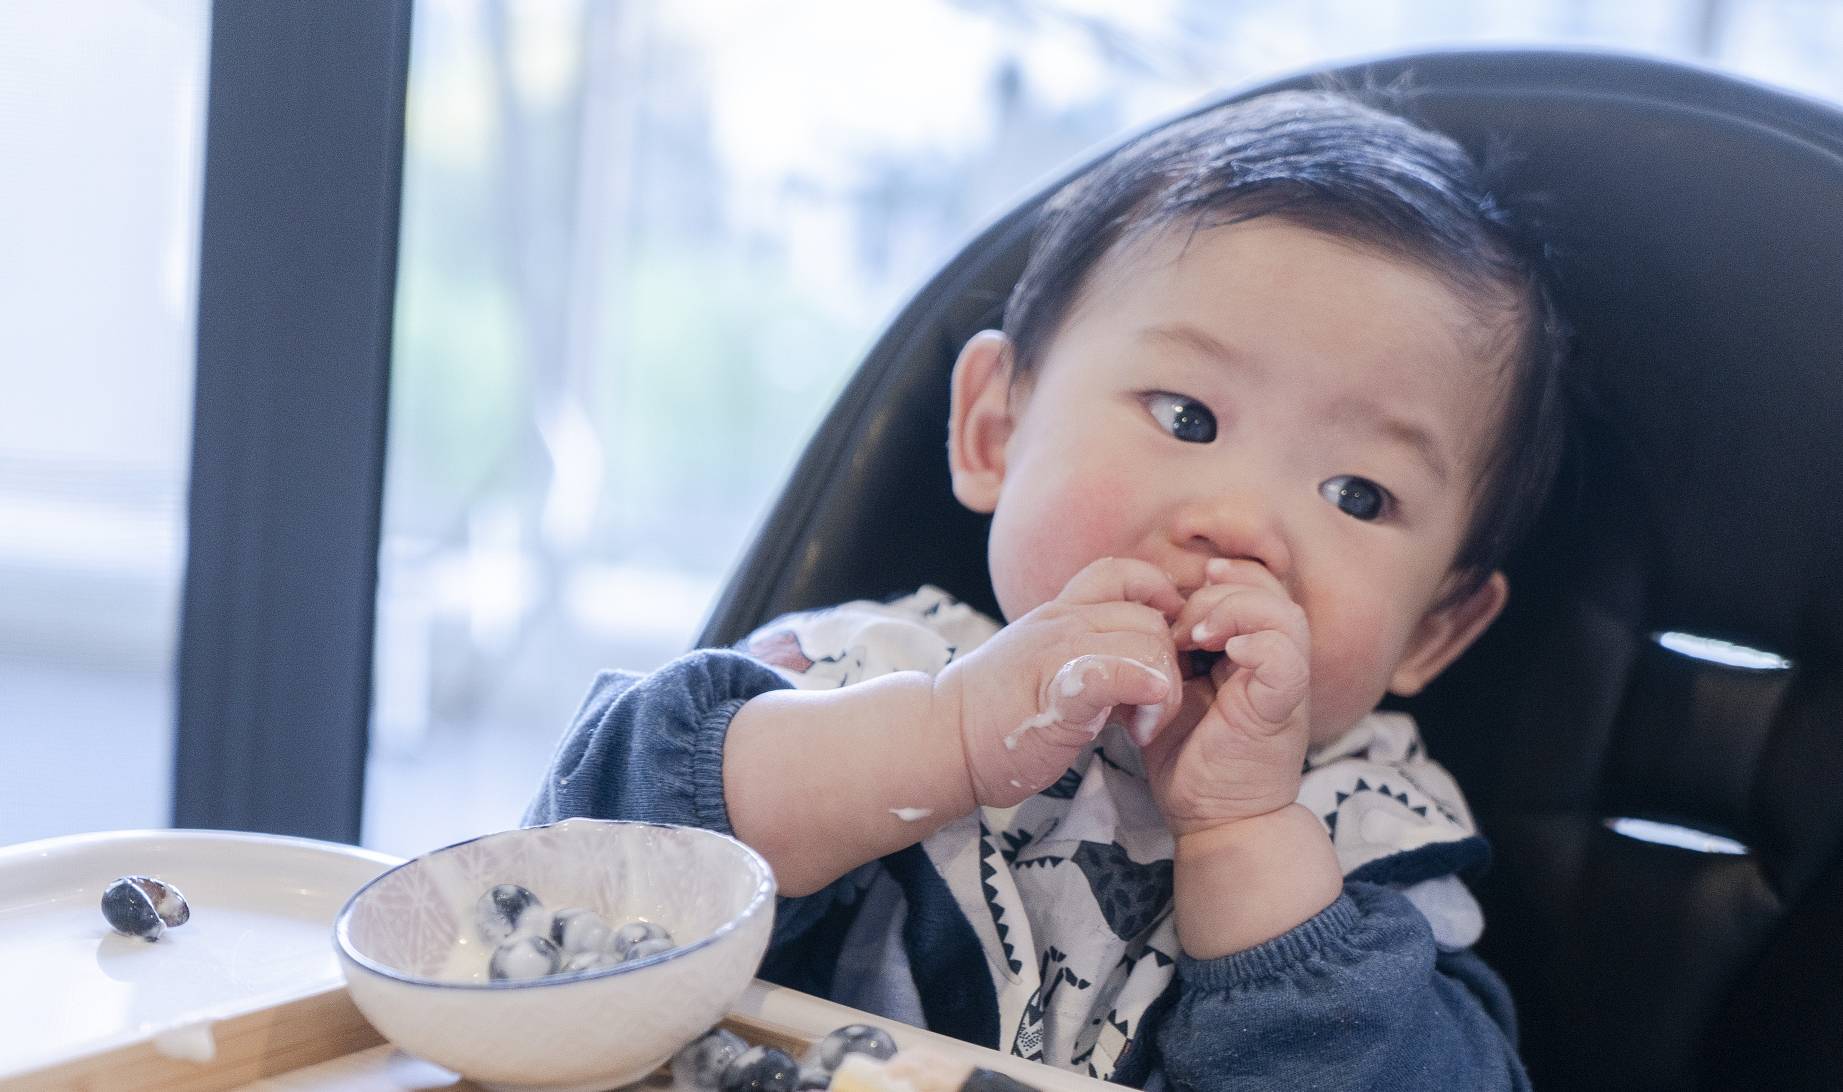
[459, 396]
[722, 367]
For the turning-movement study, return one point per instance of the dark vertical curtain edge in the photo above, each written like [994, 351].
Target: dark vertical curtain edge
[297, 281]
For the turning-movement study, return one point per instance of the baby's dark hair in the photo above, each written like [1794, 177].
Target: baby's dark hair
[1327, 162]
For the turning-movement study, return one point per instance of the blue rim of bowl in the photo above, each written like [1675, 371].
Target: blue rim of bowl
[764, 891]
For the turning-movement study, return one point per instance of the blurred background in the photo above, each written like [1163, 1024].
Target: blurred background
[642, 244]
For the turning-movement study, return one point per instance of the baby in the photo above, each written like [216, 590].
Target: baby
[1275, 395]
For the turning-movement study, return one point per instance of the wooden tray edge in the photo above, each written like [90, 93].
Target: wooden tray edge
[264, 1043]
[324, 1026]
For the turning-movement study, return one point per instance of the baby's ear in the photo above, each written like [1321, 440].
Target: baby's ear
[1445, 632]
[981, 421]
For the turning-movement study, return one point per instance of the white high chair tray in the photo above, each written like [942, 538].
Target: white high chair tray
[260, 936]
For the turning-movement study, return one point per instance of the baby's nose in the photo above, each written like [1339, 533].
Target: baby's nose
[1233, 526]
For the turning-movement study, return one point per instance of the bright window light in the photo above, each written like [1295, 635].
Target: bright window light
[1725, 653]
[1669, 834]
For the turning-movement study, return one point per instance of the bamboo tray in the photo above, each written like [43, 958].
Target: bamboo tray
[256, 998]
[323, 1042]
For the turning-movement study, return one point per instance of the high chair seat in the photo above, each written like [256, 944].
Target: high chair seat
[1652, 735]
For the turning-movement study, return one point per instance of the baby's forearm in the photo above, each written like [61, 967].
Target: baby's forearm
[820, 782]
[1252, 880]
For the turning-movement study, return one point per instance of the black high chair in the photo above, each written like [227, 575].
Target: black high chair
[1667, 670]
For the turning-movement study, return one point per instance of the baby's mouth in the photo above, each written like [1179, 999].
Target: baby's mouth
[1196, 663]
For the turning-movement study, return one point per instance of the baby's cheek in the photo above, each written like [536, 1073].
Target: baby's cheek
[1036, 548]
[1353, 655]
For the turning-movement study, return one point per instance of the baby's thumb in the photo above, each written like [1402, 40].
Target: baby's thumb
[1278, 678]
[1078, 699]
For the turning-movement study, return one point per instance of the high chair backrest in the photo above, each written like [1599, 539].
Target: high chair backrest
[1668, 668]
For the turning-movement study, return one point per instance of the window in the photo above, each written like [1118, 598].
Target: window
[101, 116]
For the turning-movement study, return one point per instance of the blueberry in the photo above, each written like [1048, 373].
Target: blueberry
[852, 1039]
[652, 946]
[508, 911]
[699, 1065]
[576, 930]
[132, 905]
[168, 902]
[987, 1080]
[523, 958]
[761, 1069]
[572, 962]
[622, 942]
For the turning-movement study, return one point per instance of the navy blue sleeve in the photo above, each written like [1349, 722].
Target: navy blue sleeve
[1358, 997]
[650, 747]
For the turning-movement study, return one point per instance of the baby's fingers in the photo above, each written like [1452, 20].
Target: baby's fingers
[1277, 673]
[1242, 570]
[1123, 579]
[1218, 613]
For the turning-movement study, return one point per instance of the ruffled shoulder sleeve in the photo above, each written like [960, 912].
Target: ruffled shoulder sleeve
[837, 646]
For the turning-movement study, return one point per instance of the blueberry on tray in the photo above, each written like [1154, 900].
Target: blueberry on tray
[141, 906]
[852, 1039]
[761, 1069]
[698, 1066]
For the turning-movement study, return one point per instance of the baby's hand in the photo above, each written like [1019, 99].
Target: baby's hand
[1029, 699]
[1237, 748]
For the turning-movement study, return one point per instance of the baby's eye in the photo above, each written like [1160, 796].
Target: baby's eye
[1358, 497]
[1184, 418]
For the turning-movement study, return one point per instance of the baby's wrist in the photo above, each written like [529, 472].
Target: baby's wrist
[1249, 815]
[943, 745]
[1289, 823]
[821, 781]
[1243, 882]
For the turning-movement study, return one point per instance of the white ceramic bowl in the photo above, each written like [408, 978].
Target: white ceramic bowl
[417, 971]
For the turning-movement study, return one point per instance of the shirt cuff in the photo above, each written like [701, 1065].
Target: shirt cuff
[707, 801]
[1274, 957]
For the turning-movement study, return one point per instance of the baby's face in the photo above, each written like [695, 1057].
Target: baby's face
[1264, 392]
